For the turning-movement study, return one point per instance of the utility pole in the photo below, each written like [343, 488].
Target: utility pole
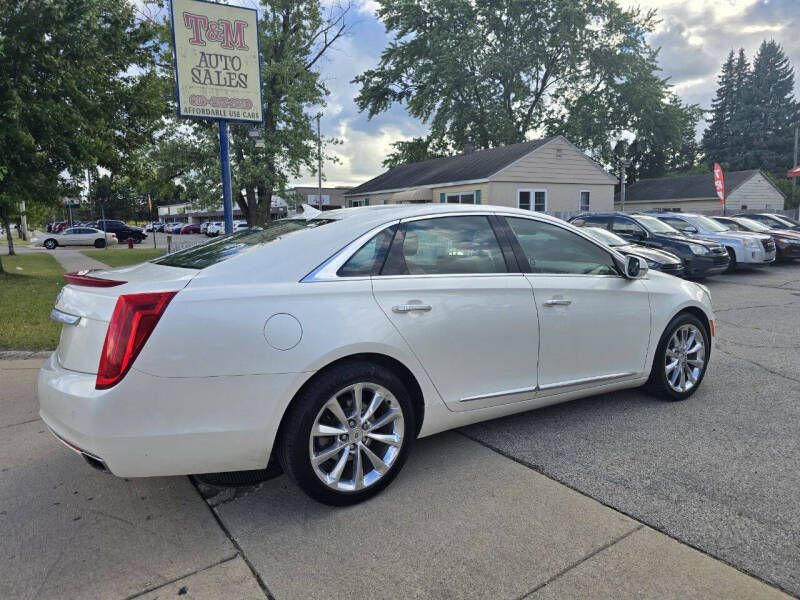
[624, 163]
[319, 163]
[794, 179]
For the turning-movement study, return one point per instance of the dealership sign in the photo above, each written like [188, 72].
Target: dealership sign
[216, 61]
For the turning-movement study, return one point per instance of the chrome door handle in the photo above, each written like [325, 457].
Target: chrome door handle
[558, 303]
[404, 308]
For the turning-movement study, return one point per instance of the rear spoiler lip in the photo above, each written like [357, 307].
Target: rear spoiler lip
[83, 278]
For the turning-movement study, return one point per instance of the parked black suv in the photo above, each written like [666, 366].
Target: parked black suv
[700, 257]
[122, 230]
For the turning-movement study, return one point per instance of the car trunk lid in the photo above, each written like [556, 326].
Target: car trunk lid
[81, 343]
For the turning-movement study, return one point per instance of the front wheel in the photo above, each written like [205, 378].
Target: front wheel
[681, 359]
[732, 264]
[347, 435]
[50, 244]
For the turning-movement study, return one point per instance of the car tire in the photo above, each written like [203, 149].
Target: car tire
[676, 344]
[313, 412]
[51, 244]
[732, 264]
[99, 243]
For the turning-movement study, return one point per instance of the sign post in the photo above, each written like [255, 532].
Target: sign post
[719, 185]
[217, 71]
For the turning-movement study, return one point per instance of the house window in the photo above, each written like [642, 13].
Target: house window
[585, 202]
[461, 198]
[359, 202]
[535, 200]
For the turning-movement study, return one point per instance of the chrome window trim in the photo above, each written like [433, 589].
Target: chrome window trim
[327, 271]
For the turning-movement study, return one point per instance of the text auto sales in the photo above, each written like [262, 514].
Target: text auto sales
[219, 70]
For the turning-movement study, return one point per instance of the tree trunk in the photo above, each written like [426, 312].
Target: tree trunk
[252, 206]
[264, 203]
[7, 226]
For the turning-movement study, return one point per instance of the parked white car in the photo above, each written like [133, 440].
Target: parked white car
[216, 228]
[75, 236]
[341, 338]
[239, 226]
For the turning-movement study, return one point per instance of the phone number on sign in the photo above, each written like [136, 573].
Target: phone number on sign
[220, 102]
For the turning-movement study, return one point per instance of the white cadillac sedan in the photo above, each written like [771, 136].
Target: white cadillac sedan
[334, 341]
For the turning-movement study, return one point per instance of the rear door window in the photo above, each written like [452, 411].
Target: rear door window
[444, 246]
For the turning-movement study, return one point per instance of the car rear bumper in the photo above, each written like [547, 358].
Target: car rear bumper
[148, 425]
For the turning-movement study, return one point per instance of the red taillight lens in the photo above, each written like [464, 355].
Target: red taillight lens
[82, 278]
[135, 316]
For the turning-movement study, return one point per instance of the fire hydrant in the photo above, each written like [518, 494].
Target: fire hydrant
[130, 243]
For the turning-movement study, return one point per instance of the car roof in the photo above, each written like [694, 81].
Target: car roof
[296, 255]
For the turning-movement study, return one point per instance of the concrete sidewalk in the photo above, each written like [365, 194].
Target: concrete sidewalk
[71, 259]
[461, 521]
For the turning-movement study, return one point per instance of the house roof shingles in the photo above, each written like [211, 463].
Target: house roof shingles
[463, 167]
[688, 187]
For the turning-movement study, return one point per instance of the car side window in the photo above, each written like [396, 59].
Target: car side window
[369, 259]
[445, 246]
[626, 227]
[678, 224]
[555, 250]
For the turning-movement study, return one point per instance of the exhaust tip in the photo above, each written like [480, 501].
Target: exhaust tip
[95, 463]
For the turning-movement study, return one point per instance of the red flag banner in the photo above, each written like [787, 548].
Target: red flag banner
[794, 172]
[719, 183]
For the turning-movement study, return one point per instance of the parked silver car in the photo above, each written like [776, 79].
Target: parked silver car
[743, 247]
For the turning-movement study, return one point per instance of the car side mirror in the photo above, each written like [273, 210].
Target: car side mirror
[690, 229]
[635, 267]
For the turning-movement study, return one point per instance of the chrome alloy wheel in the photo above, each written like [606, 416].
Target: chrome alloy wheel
[685, 358]
[356, 437]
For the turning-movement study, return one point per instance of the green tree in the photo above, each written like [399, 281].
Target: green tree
[718, 135]
[497, 72]
[414, 150]
[79, 89]
[770, 112]
[294, 37]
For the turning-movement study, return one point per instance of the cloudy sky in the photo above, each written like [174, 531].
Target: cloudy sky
[695, 36]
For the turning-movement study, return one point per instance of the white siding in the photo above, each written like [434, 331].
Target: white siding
[561, 197]
[756, 193]
[556, 162]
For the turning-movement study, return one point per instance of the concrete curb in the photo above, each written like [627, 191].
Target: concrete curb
[22, 354]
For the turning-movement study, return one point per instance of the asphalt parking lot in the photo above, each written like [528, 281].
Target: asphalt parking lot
[720, 471]
[478, 513]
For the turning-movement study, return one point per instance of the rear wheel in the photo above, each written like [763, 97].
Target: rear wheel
[50, 244]
[348, 434]
[681, 359]
[99, 243]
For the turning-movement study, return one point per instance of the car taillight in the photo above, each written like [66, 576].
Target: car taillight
[83, 278]
[135, 316]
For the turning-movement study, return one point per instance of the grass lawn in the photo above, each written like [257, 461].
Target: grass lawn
[121, 257]
[26, 298]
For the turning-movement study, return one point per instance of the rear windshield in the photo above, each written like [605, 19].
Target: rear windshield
[210, 253]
